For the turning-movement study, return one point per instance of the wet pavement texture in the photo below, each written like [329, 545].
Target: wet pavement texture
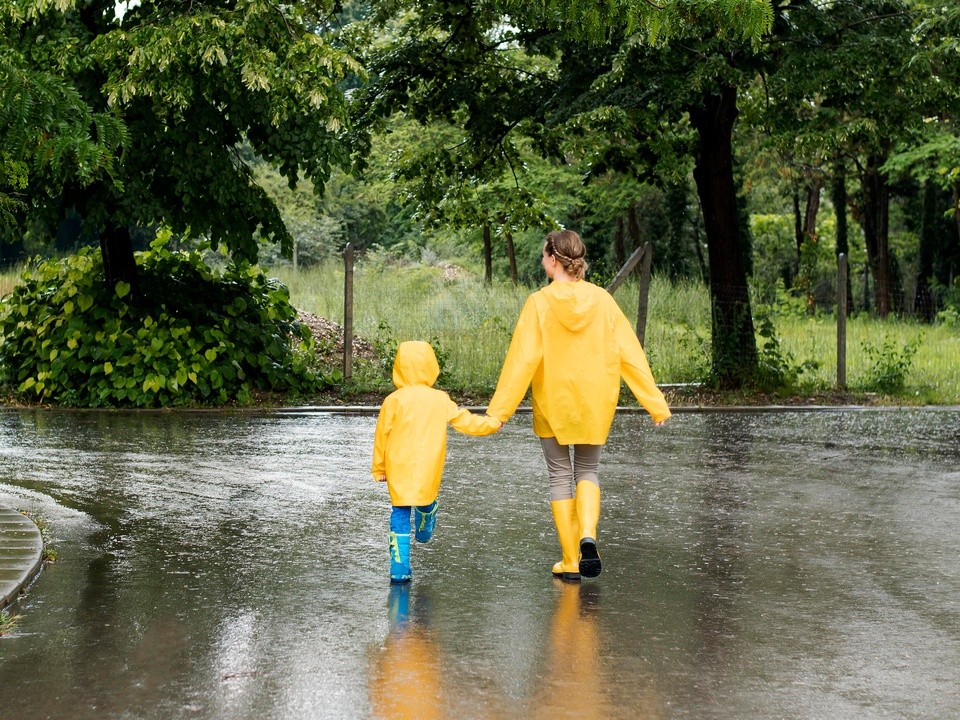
[234, 565]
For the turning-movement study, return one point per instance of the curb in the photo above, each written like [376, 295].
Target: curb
[21, 554]
[631, 409]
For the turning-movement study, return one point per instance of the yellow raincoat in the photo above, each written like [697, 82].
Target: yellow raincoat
[410, 444]
[574, 344]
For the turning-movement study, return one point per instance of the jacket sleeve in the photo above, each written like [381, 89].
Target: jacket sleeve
[636, 370]
[470, 423]
[523, 358]
[384, 421]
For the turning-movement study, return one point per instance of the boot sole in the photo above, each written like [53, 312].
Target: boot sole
[589, 558]
[568, 577]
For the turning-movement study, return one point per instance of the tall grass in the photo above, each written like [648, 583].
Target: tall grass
[9, 278]
[933, 376]
[468, 321]
[470, 324]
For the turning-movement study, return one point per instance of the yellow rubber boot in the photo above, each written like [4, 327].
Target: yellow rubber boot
[565, 518]
[588, 511]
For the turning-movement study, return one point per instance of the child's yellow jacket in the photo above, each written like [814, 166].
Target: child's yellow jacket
[410, 444]
[574, 344]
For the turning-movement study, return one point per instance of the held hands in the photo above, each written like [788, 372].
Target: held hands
[381, 477]
[500, 423]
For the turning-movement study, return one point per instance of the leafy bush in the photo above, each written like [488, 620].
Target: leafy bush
[890, 365]
[776, 368]
[949, 297]
[194, 336]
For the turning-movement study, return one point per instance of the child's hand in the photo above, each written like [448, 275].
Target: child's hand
[382, 477]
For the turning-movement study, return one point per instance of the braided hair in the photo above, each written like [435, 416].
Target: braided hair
[567, 247]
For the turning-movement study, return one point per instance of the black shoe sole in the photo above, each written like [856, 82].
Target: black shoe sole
[568, 577]
[589, 558]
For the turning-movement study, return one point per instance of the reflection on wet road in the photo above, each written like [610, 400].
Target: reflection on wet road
[234, 565]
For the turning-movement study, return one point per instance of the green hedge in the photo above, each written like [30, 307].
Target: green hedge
[193, 336]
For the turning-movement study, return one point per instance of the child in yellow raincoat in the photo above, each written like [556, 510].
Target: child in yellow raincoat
[573, 344]
[410, 447]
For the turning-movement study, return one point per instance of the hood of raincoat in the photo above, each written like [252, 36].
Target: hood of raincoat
[574, 303]
[415, 364]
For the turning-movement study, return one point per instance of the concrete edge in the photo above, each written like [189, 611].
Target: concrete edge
[18, 533]
[367, 409]
[628, 409]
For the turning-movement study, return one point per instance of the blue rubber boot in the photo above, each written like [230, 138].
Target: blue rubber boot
[424, 521]
[400, 558]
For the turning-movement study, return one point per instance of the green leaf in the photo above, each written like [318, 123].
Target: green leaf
[122, 289]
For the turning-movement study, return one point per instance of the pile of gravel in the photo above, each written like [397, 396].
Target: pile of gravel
[328, 337]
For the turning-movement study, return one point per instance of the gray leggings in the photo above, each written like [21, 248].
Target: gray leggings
[564, 474]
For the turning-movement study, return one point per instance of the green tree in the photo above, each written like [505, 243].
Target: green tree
[49, 138]
[561, 70]
[840, 92]
[162, 96]
[931, 154]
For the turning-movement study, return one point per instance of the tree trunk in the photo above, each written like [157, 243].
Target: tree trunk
[810, 237]
[698, 247]
[734, 342]
[797, 231]
[116, 249]
[876, 211]
[839, 198]
[866, 288]
[676, 255]
[487, 254]
[811, 211]
[512, 257]
[956, 217]
[923, 299]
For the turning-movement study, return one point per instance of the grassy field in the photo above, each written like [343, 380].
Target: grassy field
[470, 324]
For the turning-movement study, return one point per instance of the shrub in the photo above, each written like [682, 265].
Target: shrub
[194, 336]
[776, 368]
[890, 365]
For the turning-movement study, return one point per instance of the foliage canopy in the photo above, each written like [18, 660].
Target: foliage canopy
[136, 118]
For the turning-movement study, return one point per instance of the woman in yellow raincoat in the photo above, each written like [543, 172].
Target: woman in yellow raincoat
[410, 447]
[573, 343]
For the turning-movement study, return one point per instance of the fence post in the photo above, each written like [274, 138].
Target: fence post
[842, 321]
[348, 311]
[644, 298]
[627, 268]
